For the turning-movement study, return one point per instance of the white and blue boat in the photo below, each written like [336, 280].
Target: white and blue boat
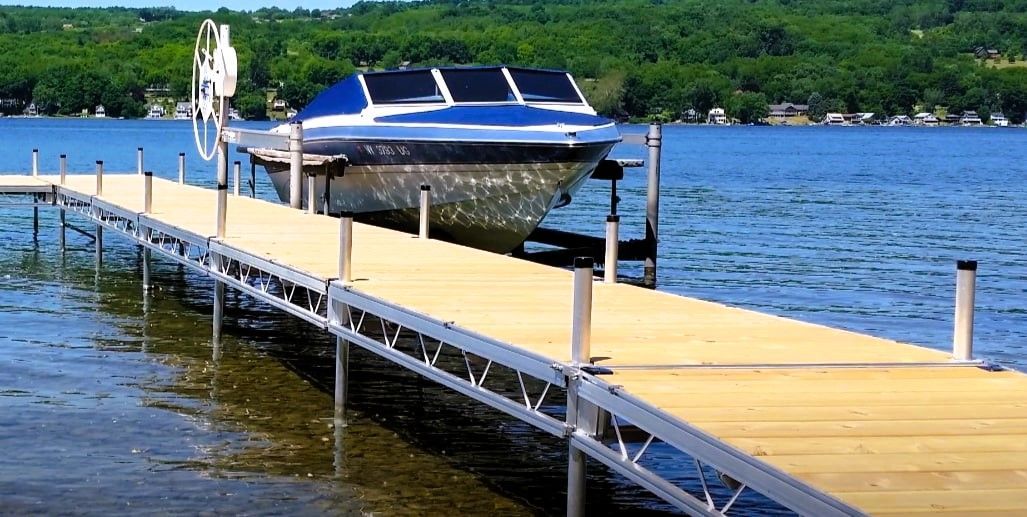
[499, 146]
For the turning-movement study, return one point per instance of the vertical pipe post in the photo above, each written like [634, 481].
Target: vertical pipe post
[296, 164]
[963, 332]
[99, 247]
[341, 379]
[612, 245]
[219, 307]
[654, 141]
[99, 177]
[139, 160]
[222, 207]
[346, 247]
[35, 209]
[581, 318]
[61, 217]
[425, 211]
[581, 335]
[147, 208]
[236, 177]
[181, 168]
[311, 197]
[253, 178]
[64, 168]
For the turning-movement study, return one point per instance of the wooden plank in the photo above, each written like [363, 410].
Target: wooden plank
[900, 462]
[765, 446]
[940, 500]
[916, 481]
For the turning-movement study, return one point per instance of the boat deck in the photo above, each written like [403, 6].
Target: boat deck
[821, 420]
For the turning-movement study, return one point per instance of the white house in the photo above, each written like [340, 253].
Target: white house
[717, 116]
[100, 111]
[925, 119]
[834, 119]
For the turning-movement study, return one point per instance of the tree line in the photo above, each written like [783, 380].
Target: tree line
[651, 59]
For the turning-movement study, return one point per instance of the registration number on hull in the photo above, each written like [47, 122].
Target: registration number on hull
[385, 149]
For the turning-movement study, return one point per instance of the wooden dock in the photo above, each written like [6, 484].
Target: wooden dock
[822, 421]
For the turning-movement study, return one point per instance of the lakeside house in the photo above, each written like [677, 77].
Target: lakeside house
[926, 119]
[183, 110]
[100, 111]
[31, 110]
[834, 119]
[951, 119]
[970, 119]
[717, 116]
[156, 111]
[987, 53]
[690, 116]
[900, 120]
[787, 110]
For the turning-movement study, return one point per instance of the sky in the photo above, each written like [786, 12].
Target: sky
[190, 5]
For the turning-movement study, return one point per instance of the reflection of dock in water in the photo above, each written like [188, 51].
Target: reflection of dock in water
[822, 421]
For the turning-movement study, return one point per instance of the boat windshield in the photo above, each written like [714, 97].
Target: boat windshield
[478, 85]
[545, 86]
[413, 87]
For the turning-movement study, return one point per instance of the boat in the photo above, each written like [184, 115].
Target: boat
[717, 117]
[999, 120]
[499, 146]
[233, 114]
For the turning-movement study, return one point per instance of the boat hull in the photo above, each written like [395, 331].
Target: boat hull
[485, 196]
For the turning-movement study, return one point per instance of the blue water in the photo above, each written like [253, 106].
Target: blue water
[109, 403]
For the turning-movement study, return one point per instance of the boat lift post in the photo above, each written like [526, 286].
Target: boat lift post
[181, 168]
[296, 164]
[654, 141]
[236, 177]
[139, 160]
[425, 211]
[341, 314]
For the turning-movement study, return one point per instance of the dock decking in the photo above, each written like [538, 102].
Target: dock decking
[823, 421]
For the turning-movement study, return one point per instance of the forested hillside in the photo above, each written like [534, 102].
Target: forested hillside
[640, 58]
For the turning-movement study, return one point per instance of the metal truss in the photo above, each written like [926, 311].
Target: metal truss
[736, 470]
[292, 291]
[26, 197]
[422, 344]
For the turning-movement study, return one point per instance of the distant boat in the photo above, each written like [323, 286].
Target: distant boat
[499, 146]
[900, 120]
[233, 114]
[834, 119]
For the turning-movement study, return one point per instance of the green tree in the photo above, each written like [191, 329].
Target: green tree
[748, 107]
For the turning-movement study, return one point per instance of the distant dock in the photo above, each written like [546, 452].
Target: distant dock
[821, 421]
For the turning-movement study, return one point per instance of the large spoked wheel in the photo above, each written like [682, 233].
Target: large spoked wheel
[213, 84]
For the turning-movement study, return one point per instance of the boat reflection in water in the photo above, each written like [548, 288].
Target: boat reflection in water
[499, 146]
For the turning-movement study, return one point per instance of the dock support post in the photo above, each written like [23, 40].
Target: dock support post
[311, 197]
[99, 227]
[963, 332]
[654, 141]
[581, 319]
[139, 160]
[346, 247]
[181, 168]
[612, 244]
[35, 209]
[219, 308]
[342, 345]
[581, 354]
[99, 177]
[296, 164]
[253, 178]
[425, 211]
[61, 237]
[236, 177]
[147, 208]
[222, 208]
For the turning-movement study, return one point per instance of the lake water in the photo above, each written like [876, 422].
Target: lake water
[109, 403]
